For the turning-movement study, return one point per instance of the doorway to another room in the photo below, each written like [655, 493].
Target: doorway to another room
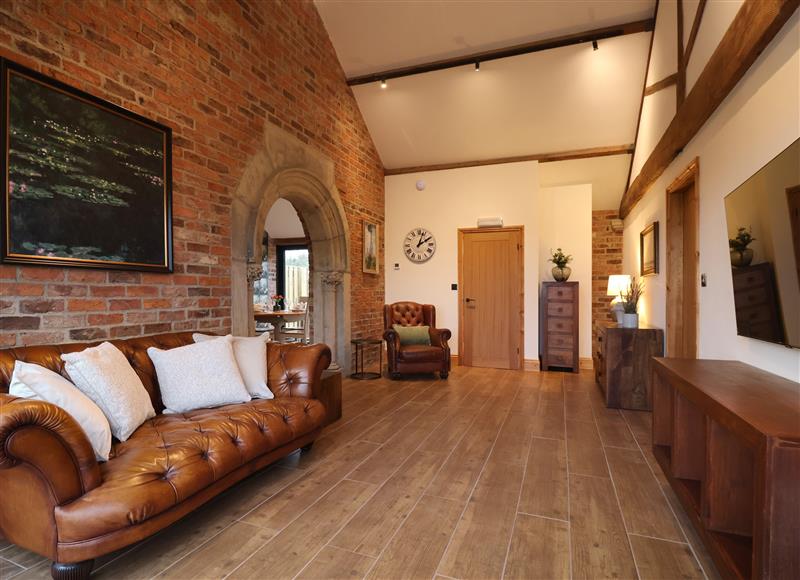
[683, 259]
[491, 297]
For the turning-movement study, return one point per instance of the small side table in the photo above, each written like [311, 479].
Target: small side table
[359, 344]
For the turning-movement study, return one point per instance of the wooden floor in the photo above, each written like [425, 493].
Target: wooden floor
[489, 474]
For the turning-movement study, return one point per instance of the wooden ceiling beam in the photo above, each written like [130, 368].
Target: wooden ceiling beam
[519, 49]
[662, 84]
[755, 25]
[540, 157]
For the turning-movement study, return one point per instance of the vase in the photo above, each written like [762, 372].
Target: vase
[561, 274]
[630, 320]
[741, 258]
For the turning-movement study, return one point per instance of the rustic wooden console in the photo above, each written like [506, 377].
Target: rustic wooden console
[727, 436]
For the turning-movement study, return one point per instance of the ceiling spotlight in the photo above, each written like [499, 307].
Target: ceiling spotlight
[477, 66]
[594, 45]
[383, 84]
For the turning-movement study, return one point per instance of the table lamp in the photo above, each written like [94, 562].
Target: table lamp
[617, 284]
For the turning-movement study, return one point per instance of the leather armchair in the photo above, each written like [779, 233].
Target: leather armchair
[415, 358]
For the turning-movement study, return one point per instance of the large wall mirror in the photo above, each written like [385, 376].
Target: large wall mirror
[763, 216]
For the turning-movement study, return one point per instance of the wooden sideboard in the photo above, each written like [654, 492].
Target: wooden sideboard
[727, 436]
[622, 364]
[558, 323]
[755, 296]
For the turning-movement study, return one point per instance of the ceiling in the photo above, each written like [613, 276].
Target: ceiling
[282, 221]
[556, 100]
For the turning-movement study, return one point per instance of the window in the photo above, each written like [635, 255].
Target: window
[292, 273]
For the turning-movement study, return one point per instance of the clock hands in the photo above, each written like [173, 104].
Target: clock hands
[422, 241]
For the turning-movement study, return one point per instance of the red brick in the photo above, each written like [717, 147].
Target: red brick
[90, 276]
[124, 304]
[86, 304]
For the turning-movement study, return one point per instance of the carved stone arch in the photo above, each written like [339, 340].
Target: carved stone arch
[286, 168]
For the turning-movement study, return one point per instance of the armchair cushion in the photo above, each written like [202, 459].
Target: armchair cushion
[420, 353]
[413, 334]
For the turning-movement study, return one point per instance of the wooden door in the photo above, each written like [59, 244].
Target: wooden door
[682, 264]
[793, 196]
[490, 273]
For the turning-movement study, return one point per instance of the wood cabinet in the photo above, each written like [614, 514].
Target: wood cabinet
[558, 324]
[622, 364]
[758, 313]
[727, 436]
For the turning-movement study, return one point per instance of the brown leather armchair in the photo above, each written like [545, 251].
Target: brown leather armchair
[415, 358]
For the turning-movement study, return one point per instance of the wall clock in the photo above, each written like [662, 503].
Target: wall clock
[419, 245]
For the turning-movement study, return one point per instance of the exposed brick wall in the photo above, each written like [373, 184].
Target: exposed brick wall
[215, 72]
[606, 260]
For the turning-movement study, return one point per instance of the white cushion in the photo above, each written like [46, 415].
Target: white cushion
[198, 376]
[104, 375]
[35, 382]
[251, 357]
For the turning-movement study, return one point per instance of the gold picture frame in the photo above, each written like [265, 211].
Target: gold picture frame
[371, 244]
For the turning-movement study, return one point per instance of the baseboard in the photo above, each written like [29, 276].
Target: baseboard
[532, 364]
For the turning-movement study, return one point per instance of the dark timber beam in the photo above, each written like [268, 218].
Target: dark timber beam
[540, 157]
[527, 48]
[698, 17]
[755, 25]
[662, 84]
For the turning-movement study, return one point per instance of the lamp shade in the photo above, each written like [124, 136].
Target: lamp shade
[618, 283]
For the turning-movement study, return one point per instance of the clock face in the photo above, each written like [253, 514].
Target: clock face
[419, 245]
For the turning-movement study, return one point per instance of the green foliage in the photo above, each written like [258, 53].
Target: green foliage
[744, 238]
[559, 258]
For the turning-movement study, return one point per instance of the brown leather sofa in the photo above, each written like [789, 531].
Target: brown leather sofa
[58, 501]
[415, 358]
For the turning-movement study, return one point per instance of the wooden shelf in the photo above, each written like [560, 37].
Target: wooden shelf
[727, 436]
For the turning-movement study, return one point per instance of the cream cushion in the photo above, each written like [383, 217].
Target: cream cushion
[32, 381]
[199, 376]
[103, 374]
[251, 358]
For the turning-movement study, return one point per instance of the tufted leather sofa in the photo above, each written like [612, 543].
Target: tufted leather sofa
[415, 358]
[58, 501]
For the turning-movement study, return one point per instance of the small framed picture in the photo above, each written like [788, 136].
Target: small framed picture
[648, 250]
[370, 262]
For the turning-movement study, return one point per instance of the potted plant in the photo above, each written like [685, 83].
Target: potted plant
[561, 271]
[277, 303]
[741, 255]
[630, 303]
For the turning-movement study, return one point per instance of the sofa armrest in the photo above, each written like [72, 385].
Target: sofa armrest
[392, 340]
[296, 370]
[440, 336]
[47, 439]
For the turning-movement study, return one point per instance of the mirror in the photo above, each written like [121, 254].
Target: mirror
[763, 218]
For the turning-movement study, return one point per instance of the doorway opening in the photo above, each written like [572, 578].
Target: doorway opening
[284, 168]
[683, 257]
[491, 297]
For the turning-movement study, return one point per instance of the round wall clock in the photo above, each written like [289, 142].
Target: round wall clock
[419, 245]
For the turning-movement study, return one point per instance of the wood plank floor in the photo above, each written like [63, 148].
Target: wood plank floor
[489, 474]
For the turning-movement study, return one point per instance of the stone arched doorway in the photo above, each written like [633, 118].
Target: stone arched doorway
[284, 167]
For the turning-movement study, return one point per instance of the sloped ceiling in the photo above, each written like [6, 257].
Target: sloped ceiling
[556, 100]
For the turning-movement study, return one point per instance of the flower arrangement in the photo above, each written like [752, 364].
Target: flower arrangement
[559, 258]
[630, 296]
[277, 302]
[744, 237]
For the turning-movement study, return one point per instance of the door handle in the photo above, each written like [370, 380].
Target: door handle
[470, 300]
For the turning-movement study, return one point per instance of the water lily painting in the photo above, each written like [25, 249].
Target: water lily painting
[87, 183]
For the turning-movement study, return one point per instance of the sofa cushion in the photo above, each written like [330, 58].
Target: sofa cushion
[171, 457]
[420, 353]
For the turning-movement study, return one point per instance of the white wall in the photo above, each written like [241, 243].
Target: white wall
[757, 121]
[282, 221]
[606, 174]
[565, 221]
[455, 199]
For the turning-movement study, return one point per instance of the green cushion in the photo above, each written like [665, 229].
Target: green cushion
[413, 334]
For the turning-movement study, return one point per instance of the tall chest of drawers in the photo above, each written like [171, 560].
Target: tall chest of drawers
[558, 323]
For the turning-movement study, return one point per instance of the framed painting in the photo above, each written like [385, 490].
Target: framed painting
[86, 183]
[648, 250]
[370, 263]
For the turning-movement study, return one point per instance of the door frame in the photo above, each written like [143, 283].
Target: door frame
[521, 265]
[682, 311]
